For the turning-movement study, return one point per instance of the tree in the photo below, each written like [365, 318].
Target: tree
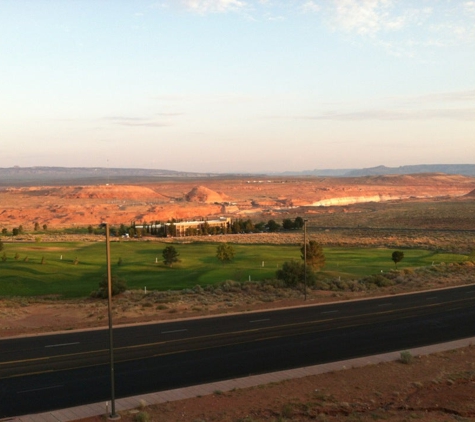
[397, 256]
[1, 245]
[15, 231]
[37, 226]
[315, 255]
[225, 252]
[45, 227]
[171, 229]
[292, 274]
[287, 224]
[298, 223]
[117, 286]
[170, 255]
[4, 231]
[248, 226]
[272, 226]
[205, 228]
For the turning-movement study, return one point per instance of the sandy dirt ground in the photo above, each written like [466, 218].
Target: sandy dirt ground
[434, 388]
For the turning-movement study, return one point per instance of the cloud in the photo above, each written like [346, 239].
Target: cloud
[135, 121]
[364, 16]
[388, 115]
[457, 96]
[310, 6]
[214, 6]
[454, 105]
[469, 7]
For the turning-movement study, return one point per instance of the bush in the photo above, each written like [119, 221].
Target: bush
[406, 357]
[142, 417]
[293, 273]
[118, 286]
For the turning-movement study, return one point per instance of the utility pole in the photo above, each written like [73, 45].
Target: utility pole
[305, 256]
[113, 414]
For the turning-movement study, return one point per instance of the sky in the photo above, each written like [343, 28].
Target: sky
[237, 85]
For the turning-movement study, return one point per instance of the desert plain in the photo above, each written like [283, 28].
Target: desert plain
[264, 197]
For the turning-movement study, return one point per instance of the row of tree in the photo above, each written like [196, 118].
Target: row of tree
[204, 229]
[19, 230]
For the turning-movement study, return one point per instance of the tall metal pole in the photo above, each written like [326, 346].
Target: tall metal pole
[305, 257]
[112, 415]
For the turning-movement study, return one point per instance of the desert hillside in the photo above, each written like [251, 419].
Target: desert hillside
[66, 206]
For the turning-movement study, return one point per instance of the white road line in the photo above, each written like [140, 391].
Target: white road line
[63, 344]
[40, 389]
[259, 320]
[174, 331]
[330, 312]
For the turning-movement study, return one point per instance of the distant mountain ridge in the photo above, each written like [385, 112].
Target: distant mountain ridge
[86, 175]
[33, 176]
[461, 169]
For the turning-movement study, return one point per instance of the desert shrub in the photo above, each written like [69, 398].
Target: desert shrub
[321, 285]
[400, 279]
[166, 296]
[230, 286]
[142, 417]
[378, 280]
[287, 411]
[355, 286]
[198, 289]
[293, 273]
[338, 285]
[276, 283]
[406, 357]
[187, 291]
[117, 286]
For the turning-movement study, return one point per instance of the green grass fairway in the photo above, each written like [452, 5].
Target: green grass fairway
[142, 265]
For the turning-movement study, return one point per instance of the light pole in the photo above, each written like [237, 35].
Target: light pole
[305, 257]
[112, 414]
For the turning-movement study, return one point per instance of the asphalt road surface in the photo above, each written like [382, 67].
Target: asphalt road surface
[49, 372]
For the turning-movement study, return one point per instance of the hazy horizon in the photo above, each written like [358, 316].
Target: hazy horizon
[237, 86]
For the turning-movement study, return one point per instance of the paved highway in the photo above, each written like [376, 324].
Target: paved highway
[48, 372]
